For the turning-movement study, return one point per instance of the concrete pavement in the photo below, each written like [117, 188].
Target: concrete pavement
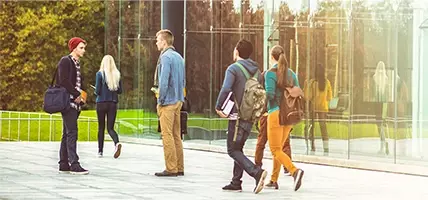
[29, 171]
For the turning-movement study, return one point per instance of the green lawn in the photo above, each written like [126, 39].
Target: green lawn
[138, 122]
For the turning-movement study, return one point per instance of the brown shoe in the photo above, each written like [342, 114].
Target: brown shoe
[117, 150]
[273, 185]
[165, 173]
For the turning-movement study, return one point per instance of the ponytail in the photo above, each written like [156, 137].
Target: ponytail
[278, 54]
[282, 72]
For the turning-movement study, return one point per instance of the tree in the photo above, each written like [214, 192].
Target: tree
[34, 40]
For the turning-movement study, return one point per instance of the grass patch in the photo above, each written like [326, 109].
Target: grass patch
[43, 127]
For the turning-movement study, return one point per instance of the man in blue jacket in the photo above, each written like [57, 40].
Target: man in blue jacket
[235, 82]
[169, 86]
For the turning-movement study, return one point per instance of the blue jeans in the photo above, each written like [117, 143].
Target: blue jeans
[234, 149]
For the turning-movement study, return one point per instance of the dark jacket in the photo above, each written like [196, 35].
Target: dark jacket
[235, 81]
[66, 76]
[102, 91]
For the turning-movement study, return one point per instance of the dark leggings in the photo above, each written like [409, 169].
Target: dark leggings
[108, 109]
[322, 116]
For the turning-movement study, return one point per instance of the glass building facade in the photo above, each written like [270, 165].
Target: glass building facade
[374, 54]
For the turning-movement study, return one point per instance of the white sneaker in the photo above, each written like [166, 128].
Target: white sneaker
[100, 154]
[117, 150]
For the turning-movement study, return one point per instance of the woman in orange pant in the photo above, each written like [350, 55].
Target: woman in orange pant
[275, 80]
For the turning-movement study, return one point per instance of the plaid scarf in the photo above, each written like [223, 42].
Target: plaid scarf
[78, 84]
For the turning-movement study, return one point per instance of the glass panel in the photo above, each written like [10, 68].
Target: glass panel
[372, 53]
[411, 135]
[130, 30]
[371, 136]
[327, 80]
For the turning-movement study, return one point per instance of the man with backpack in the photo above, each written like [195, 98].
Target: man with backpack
[242, 79]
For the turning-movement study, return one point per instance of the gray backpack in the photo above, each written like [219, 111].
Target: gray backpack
[254, 99]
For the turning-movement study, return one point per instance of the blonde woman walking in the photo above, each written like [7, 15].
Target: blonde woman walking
[107, 88]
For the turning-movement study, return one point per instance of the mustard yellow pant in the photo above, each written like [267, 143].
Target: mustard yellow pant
[169, 117]
[277, 135]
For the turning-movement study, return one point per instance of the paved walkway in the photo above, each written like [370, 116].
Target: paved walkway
[29, 171]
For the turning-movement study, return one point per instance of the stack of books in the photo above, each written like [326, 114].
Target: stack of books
[228, 104]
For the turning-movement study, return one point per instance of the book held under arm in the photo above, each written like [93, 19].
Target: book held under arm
[84, 96]
[228, 105]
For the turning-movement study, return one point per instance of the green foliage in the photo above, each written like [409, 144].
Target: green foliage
[35, 38]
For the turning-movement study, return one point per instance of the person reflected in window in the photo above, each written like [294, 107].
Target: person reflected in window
[380, 79]
[319, 93]
[107, 87]
[381, 93]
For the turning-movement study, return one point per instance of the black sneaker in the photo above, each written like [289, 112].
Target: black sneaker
[78, 170]
[286, 172]
[260, 182]
[232, 188]
[298, 175]
[273, 185]
[64, 168]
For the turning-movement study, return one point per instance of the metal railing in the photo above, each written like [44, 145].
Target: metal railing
[23, 126]
[31, 126]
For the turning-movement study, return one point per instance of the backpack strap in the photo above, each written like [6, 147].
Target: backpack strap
[245, 71]
[247, 76]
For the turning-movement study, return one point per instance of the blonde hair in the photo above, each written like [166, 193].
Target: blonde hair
[110, 73]
[166, 35]
[380, 77]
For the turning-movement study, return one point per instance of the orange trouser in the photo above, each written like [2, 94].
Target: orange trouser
[169, 117]
[261, 142]
[277, 135]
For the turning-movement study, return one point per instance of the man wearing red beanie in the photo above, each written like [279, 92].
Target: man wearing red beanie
[69, 77]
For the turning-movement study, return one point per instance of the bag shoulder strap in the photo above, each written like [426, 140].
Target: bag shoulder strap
[245, 71]
[54, 76]
[56, 71]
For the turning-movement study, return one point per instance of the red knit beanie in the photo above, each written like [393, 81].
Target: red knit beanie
[73, 42]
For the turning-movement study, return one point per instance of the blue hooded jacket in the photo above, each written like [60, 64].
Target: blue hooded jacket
[235, 81]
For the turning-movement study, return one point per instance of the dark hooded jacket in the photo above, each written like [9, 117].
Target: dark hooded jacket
[234, 81]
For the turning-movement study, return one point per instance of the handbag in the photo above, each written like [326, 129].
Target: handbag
[334, 102]
[57, 98]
